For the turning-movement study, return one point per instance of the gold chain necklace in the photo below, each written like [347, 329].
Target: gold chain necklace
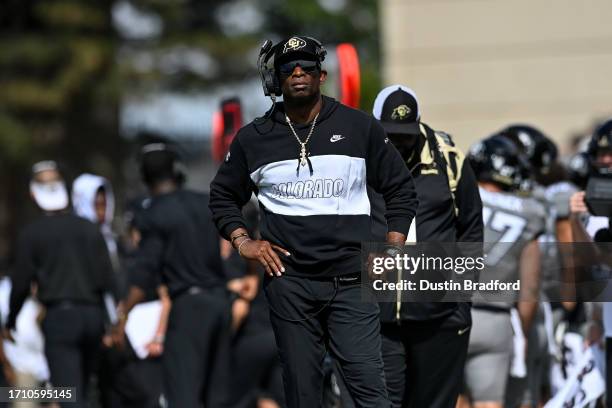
[303, 160]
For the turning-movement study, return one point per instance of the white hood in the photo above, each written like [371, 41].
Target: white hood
[84, 191]
[83, 201]
[84, 195]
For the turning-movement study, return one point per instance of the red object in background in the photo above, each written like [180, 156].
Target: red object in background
[226, 123]
[350, 81]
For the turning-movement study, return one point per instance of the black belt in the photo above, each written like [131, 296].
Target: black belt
[194, 290]
[66, 304]
[191, 290]
[492, 309]
[340, 280]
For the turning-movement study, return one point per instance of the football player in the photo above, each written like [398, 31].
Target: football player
[512, 223]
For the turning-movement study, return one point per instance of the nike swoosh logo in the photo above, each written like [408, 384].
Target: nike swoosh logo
[463, 331]
[336, 138]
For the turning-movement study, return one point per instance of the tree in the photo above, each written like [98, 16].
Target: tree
[65, 65]
[58, 94]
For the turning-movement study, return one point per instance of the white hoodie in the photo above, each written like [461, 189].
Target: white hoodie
[84, 191]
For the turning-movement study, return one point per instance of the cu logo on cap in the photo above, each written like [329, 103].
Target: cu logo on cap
[400, 112]
[293, 44]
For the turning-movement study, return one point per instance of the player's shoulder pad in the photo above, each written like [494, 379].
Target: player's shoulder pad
[453, 156]
[563, 187]
[444, 138]
[447, 146]
[535, 213]
[533, 207]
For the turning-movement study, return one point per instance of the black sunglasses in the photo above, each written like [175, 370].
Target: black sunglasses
[307, 66]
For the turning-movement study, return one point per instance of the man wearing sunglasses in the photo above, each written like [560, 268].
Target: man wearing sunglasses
[310, 160]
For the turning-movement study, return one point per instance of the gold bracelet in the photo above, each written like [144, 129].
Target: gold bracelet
[235, 237]
[241, 244]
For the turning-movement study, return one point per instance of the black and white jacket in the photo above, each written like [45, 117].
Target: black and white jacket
[320, 218]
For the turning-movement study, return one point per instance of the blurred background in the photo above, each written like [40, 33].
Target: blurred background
[87, 82]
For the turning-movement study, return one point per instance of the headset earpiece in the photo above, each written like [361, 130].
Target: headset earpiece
[269, 80]
[321, 51]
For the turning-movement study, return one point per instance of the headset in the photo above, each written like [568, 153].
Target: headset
[269, 78]
[269, 81]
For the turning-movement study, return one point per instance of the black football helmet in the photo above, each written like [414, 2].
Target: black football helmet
[498, 160]
[577, 168]
[601, 141]
[539, 149]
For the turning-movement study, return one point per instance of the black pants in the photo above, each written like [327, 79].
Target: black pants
[196, 359]
[73, 336]
[257, 371]
[125, 381]
[424, 361]
[348, 326]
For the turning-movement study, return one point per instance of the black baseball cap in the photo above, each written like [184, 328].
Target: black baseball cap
[601, 141]
[397, 109]
[299, 47]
